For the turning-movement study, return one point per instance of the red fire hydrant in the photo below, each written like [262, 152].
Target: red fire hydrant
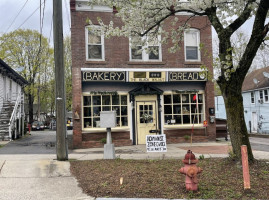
[190, 170]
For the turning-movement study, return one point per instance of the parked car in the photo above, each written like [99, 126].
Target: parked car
[38, 125]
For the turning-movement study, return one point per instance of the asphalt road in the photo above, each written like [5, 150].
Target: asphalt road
[39, 142]
[259, 144]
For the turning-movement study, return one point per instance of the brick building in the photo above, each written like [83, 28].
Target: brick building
[152, 93]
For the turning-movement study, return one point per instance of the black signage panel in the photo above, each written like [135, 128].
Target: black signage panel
[155, 74]
[103, 76]
[187, 76]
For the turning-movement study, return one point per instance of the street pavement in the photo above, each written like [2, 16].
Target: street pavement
[29, 169]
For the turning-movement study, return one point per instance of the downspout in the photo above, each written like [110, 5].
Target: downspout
[159, 114]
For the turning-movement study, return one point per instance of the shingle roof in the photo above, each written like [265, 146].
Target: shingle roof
[258, 74]
[12, 73]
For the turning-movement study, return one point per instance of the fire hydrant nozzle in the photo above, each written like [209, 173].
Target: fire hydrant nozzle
[190, 170]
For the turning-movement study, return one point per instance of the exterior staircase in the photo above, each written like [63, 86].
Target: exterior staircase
[5, 115]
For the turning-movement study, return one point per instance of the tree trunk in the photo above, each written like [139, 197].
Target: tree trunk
[31, 108]
[236, 121]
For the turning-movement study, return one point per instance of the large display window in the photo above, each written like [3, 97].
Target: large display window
[94, 104]
[183, 108]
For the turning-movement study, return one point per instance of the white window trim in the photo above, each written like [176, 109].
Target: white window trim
[98, 129]
[251, 97]
[86, 44]
[263, 93]
[176, 126]
[198, 41]
[145, 55]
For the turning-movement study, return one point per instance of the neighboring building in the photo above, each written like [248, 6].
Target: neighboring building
[255, 101]
[11, 103]
[151, 93]
[220, 107]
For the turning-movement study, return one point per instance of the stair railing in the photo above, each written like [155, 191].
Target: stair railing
[12, 121]
[1, 104]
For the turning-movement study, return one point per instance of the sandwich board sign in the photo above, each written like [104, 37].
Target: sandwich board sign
[156, 143]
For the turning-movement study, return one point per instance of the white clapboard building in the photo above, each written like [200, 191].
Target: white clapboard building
[11, 103]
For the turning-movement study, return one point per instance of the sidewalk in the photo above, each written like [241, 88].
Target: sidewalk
[174, 151]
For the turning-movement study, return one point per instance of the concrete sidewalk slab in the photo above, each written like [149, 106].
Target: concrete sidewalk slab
[35, 169]
[38, 179]
[56, 188]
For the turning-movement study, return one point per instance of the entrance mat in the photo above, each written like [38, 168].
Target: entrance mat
[223, 149]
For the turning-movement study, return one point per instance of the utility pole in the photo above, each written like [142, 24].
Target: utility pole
[61, 136]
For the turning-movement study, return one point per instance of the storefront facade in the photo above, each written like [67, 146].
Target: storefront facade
[161, 93]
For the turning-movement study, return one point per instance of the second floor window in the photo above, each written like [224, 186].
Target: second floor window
[192, 42]
[151, 51]
[94, 43]
[264, 96]
[252, 97]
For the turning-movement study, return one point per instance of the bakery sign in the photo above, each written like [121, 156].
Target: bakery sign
[103, 76]
[187, 76]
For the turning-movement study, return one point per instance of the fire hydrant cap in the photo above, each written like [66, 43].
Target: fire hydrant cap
[189, 158]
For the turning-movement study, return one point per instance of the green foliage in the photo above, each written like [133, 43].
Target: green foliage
[23, 49]
[201, 157]
[187, 137]
[232, 155]
[103, 140]
[30, 52]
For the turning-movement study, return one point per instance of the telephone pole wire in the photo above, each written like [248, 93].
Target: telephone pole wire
[61, 136]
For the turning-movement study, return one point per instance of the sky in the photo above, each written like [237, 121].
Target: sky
[25, 14]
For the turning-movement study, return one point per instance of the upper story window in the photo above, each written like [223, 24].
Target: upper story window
[264, 96]
[151, 51]
[192, 42]
[265, 92]
[252, 97]
[94, 43]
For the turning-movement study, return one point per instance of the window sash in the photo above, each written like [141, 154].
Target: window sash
[94, 44]
[144, 53]
[261, 95]
[94, 104]
[252, 98]
[191, 43]
[180, 109]
[265, 95]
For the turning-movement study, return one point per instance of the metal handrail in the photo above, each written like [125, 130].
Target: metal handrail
[11, 121]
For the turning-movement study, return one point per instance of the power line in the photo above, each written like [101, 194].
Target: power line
[29, 16]
[16, 16]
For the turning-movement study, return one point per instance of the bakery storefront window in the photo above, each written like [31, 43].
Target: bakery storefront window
[183, 108]
[94, 104]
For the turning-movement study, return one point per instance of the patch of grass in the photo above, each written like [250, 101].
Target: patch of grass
[201, 157]
[186, 137]
[103, 140]
[221, 179]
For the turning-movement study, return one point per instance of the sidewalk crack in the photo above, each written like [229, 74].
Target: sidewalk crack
[2, 166]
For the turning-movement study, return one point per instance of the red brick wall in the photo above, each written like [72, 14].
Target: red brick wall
[117, 56]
